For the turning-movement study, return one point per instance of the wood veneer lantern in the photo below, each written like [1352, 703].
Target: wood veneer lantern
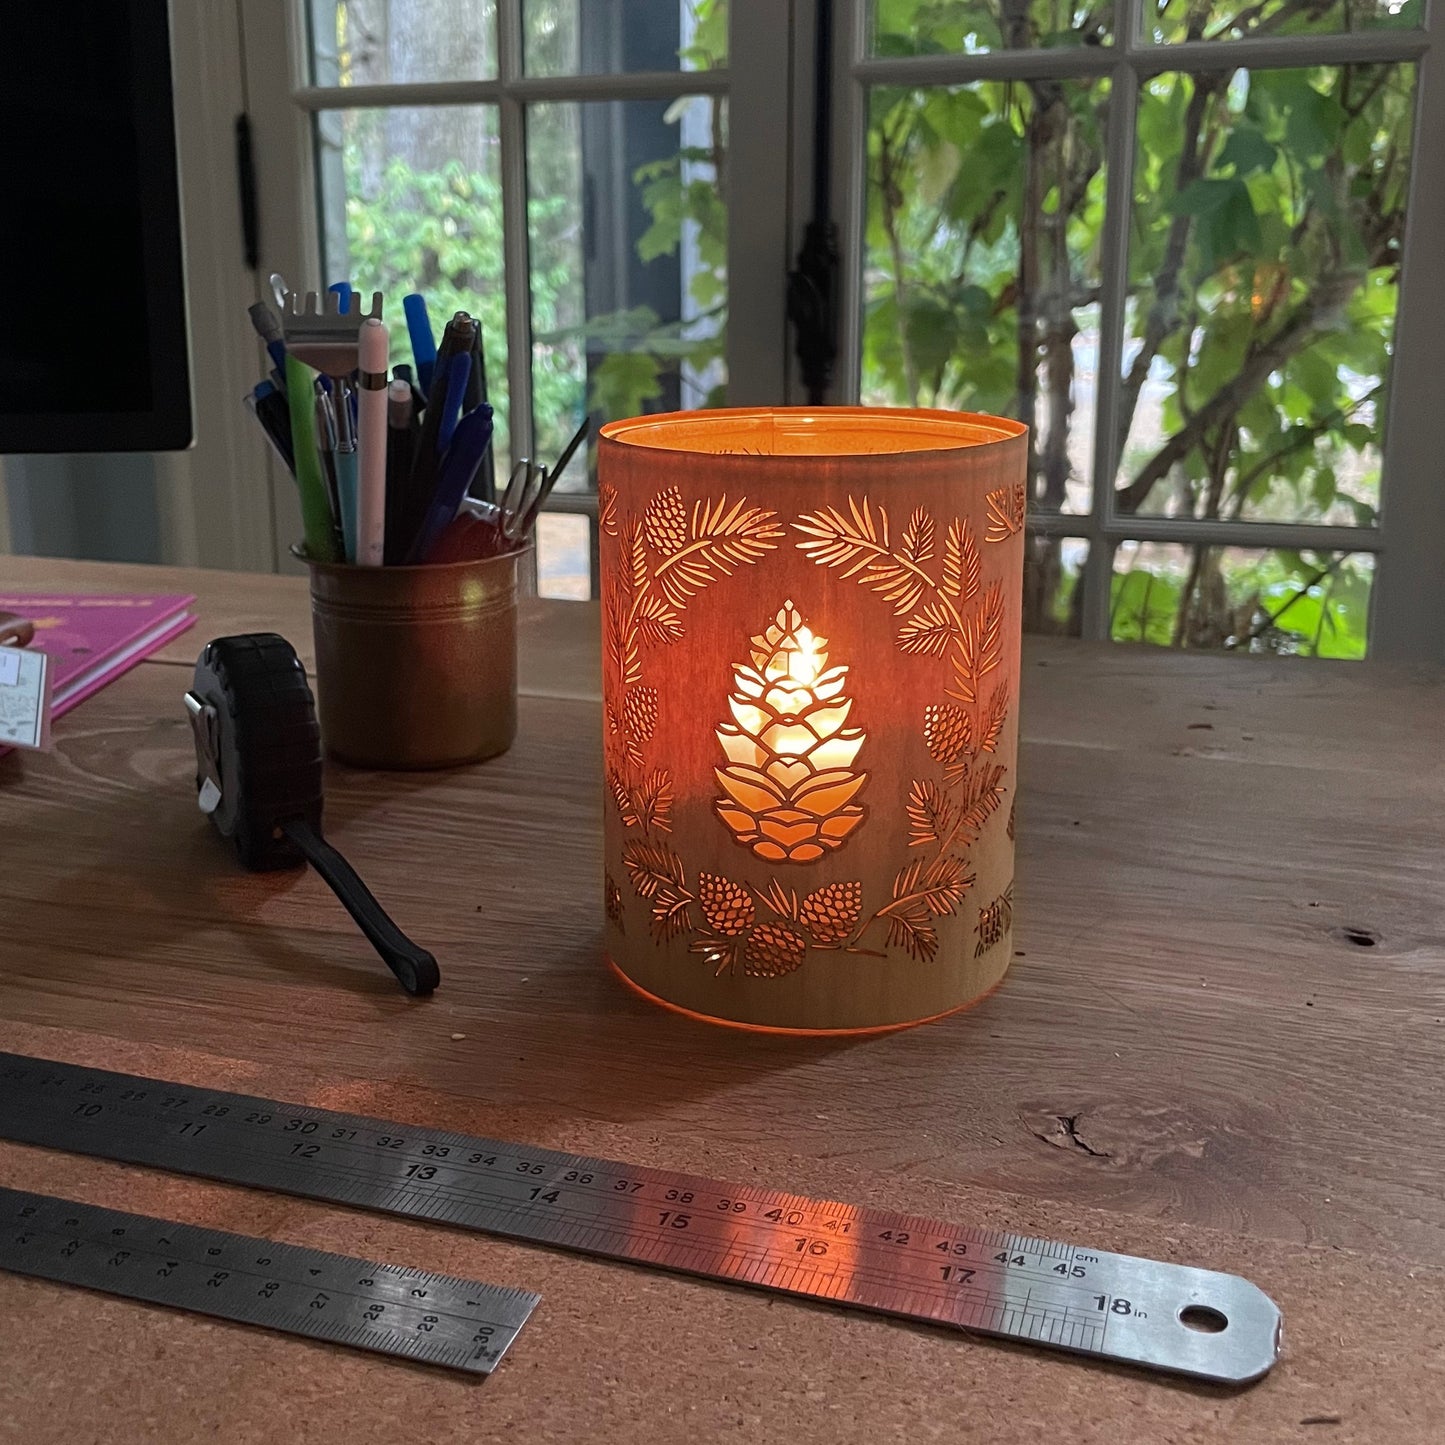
[810, 675]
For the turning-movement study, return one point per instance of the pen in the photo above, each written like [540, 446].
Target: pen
[423, 344]
[316, 518]
[372, 407]
[470, 443]
[399, 403]
[421, 485]
[402, 372]
[346, 462]
[268, 406]
[400, 436]
[268, 328]
[458, 370]
[326, 446]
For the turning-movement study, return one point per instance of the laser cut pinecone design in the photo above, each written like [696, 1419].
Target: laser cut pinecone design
[665, 522]
[830, 913]
[773, 949]
[640, 712]
[946, 730]
[994, 921]
[789, 783]
[725, 904]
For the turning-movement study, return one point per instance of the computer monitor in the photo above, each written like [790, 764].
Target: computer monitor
[93, 344]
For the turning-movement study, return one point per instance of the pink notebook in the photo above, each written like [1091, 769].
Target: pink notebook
[92, 640]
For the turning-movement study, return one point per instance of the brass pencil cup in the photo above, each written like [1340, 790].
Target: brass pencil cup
[416, 667]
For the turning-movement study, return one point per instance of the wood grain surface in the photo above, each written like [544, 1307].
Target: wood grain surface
[1221, 1041]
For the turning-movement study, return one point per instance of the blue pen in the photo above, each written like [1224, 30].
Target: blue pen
[268, 328]
[343, 290]
[423, 343]
[471, 442]
[458, 369]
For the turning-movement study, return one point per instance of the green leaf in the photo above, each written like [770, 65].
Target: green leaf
[1247, 151]
[1201, 198]
[623, 383]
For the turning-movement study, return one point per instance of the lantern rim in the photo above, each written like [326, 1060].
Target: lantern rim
[768, 434]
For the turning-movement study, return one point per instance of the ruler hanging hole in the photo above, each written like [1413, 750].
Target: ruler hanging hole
[1204, 1319]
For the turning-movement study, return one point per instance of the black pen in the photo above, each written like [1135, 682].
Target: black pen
[401, 428]
[403, 372]
[421, 485]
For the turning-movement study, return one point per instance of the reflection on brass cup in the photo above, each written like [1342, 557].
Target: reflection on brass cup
[416, 667]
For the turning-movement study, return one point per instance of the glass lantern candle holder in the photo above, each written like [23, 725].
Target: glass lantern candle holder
[810, 679]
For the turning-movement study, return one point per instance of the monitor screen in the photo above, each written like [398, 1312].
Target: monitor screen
[93, 352]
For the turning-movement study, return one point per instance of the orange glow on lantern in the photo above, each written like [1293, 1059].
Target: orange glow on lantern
[811, 627]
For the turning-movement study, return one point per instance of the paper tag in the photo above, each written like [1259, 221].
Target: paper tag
[24, 698]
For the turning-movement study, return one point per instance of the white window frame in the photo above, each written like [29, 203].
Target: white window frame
[1407, 618]
[756, 84]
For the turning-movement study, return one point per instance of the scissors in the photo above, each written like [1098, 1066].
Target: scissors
[528, 488]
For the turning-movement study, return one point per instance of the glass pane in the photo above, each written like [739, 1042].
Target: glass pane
[382, 42]
[1269, 208]
[1053, 567]
[933, 27]
[564, 556]
[411, 200]
[1232, 19]
[981, 277]
[589, 37]
[1307, 604]
[629, 262]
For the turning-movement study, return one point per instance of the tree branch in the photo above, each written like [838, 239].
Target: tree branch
[1164, 311]
[1316, 311]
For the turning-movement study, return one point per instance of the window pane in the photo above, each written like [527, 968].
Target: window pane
[629, 262]
[1233, 19]
[1309, 604]
[564, 556]
[411, 201]
[931, 27]
[1053, 567]
[981, 276]
[380, 42]
[1269, 208]
[588, 37]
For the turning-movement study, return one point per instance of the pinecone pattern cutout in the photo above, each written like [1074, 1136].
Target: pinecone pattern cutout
[789, 784]
[665, 522]
[726, 906]
[773, 949]
[831, 913]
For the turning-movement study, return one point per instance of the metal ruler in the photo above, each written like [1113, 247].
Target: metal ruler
[369, 1306]
[1109, 1306]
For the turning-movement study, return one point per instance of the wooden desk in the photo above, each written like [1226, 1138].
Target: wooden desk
[1190, 1059]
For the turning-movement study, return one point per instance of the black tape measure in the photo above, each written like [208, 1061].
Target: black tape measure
[258, 779]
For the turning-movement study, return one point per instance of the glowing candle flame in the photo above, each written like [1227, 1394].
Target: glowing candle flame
[803, 664]
[789, 783]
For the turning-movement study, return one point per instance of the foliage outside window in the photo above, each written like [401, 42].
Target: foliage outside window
[1264, 253]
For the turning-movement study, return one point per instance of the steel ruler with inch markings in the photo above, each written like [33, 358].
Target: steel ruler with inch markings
[1108, 1306]
[368, 1306]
